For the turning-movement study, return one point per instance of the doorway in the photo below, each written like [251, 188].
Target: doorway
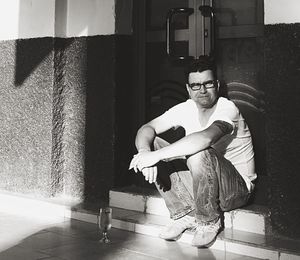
[169, 33]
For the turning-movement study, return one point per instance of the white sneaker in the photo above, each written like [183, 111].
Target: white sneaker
[205, 235]
[174, 230]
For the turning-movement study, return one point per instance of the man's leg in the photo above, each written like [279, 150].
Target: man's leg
[175, 184]
[217, 186]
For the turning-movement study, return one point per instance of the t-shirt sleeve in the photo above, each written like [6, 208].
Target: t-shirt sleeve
[227, 112]
[175, 115]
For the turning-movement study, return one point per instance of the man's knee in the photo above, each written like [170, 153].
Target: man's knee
[203, 158]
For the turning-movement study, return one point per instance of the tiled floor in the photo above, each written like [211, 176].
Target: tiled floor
[27, 238]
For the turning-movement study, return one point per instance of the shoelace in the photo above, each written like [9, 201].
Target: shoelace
[209, 228]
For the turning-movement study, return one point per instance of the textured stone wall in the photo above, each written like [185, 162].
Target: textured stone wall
[69, 102]
[282, 77]
[65, 115]
[26, 79]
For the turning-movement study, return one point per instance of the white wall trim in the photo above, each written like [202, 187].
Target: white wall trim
[21, 19]
[26, 19]
[282, 11]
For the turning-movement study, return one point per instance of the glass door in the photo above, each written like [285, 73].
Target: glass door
[171, 32]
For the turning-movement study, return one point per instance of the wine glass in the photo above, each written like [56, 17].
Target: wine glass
[104, 223]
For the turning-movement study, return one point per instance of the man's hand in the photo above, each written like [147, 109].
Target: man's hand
[150, 174]
[143, 160]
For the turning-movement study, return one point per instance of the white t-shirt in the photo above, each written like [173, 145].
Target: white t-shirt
[236, 147]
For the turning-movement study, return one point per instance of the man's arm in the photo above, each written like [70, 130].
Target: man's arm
[196, 142]
[143, 142]
[147, 133]
[188, 145]
[144, 138]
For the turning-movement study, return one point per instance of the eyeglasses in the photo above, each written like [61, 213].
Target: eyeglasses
[207, 85]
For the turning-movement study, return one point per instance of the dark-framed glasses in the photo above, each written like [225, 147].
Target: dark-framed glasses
[207, 85]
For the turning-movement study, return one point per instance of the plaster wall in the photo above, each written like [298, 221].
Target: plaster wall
[282, 11]
[86, 18]
[24, 19]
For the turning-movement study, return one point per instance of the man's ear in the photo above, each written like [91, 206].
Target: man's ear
[188, 89]
[218, 85]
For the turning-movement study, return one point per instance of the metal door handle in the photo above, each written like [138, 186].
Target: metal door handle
[208, 11]
[169, 42]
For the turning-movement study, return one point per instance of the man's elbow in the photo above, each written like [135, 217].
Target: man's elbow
[146, 129]
[146, 132]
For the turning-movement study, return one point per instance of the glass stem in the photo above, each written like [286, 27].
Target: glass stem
[105, 237]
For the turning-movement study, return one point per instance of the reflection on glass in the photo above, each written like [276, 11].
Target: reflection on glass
[104, 223]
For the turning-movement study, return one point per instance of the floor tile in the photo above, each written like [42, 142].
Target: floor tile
[87, 245]
[92, 251]
[72, 240]
[20, 253]
[14, 229]
[75, 250]
[73, 228]
[45, 240]
[123, 254]
[50, 258]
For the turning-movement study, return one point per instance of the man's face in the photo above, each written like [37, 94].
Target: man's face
[205, 96]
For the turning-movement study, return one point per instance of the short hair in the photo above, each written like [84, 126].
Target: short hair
[201, 64]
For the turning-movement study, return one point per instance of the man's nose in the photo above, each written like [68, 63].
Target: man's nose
[203, 89]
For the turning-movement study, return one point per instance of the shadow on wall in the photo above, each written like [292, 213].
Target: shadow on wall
[32, 25]
[251, 103]
[30, 53]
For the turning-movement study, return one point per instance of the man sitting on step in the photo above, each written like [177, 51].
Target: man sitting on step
[217, 150]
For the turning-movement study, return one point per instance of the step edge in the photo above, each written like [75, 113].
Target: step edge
[238, 218]
[253, 208]
[227, 240]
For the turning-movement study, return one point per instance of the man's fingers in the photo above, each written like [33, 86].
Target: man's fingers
[145, 172]
[151, 175]
[154, 173]
[134, 163]
[131, 165]
[147, 175]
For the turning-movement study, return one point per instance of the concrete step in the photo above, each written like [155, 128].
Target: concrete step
[229, 240]
[254, 218]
